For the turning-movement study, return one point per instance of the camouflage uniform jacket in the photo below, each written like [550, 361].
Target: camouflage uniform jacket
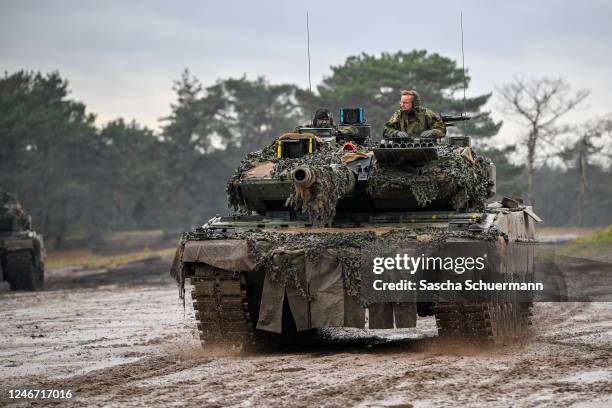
[414, 123]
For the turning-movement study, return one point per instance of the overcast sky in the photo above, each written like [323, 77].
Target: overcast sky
[122, 56]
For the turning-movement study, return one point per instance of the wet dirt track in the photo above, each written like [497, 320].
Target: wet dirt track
[116, 341]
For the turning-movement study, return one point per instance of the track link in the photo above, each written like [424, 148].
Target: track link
[484, 322]
[221, 307]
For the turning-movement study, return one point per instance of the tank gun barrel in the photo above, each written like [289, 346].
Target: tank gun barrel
[455, 118]
[450, 119]
[303, 177]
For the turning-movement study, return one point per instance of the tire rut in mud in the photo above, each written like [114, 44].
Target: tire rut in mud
[118, 378]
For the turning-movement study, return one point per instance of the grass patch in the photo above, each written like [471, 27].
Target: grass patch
[603, 236]
[598, 243]
[84, 258]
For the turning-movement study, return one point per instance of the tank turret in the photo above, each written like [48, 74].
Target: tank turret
[321, 167]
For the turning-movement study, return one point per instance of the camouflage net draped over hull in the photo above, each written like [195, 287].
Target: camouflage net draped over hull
[452, 175]
[263, 246]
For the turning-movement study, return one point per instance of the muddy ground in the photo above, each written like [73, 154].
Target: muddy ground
[121, 337]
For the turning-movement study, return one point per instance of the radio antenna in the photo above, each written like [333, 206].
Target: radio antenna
[464, 83]
[308, 39]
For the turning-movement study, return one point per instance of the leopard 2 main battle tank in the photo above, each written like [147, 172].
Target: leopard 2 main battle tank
[313, 210]
[21, 249]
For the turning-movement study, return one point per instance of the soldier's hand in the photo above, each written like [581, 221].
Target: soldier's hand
[401, 134]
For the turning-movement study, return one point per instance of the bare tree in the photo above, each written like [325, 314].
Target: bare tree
[584, 152]
[537, 104]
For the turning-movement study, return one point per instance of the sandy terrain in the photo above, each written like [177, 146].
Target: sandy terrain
[122, 338]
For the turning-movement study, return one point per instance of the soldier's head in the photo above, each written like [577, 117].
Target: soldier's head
[322, 118]
[409, 100]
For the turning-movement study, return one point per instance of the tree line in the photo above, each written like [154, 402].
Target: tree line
[80, 180]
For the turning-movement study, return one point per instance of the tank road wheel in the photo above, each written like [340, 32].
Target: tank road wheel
[484, 322]
[22, 271]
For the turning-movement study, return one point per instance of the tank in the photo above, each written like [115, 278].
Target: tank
[314, 206]
[22, 250]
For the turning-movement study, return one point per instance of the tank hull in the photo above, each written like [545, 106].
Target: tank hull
[251, 277]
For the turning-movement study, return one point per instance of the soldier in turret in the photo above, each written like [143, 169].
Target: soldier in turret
[323, 119]
[411, 120]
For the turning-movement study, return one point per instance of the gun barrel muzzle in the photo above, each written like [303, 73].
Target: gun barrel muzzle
[303, 177]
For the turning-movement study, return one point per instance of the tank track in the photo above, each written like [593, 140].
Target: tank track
[21, 273]
[221, 308]
[484, 322]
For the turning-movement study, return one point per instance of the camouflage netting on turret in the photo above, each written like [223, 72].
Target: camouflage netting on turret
[264, 247]
[12, 215]
[234, 199]
[319, 201]
[452, 176]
